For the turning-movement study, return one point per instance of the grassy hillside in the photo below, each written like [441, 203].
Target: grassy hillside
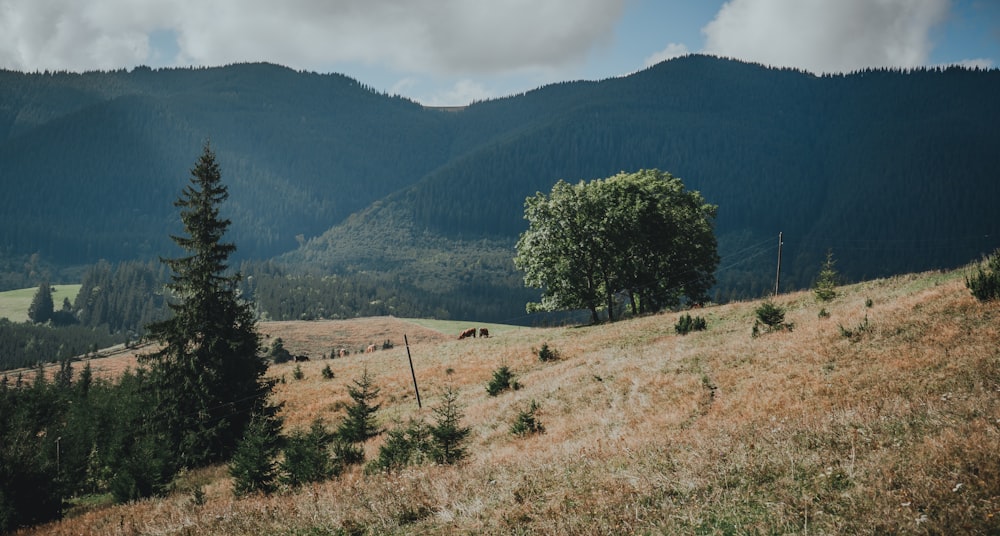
[893, 429]
[14, 304]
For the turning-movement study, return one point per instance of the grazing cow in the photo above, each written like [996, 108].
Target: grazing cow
[371, 349]
[483, 332]
[471, 332]
[300, 358]
[342, 352]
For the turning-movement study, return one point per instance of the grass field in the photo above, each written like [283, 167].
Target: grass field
[881, 416]
[14, 304]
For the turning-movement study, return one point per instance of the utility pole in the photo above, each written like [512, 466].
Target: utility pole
[412, 373]
[777, 277]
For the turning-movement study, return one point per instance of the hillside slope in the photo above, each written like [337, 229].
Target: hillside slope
[893, 429]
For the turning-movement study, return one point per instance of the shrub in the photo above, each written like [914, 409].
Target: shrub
[404, 445]
[526, 422]
[297, 373]
[863, 327]
[985, 282]
[346, 453]
[686, 324]
[503, 379]
[546, 354]
[278, 353]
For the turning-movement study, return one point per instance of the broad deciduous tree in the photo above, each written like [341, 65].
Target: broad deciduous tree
[641, 235]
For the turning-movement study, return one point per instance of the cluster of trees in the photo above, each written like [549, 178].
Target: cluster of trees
[200, 398]
[122, 298]
[641, 235]
[73, 435]
[26, 345]
[187, 406]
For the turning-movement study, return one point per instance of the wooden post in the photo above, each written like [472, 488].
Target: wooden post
[412, 373]
[777, 278]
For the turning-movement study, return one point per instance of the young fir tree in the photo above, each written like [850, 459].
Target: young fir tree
[307, 456]
[826, 283]
[360, 424]
[447, 433]
[208, 376]
[254, 465]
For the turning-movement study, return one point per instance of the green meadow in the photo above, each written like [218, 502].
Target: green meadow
[14, 304]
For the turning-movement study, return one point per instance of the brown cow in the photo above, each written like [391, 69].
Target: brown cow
[483, 332]
[300, 358]
[342, 352]
[471, 332]
[371, 349]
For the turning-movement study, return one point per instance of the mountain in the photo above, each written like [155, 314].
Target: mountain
[107, 153]
[893, 170]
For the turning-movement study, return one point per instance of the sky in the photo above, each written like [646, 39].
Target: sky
[452, 52]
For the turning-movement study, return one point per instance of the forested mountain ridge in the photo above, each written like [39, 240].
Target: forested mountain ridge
[896, 171]
[301, 152]
[893, 170]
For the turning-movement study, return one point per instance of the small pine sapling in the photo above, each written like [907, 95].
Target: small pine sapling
[503, 379]
[447, 434]
[772, 317]
[327, 373]
[545, 353]
[527, 422]
[686, 324]
[825, 288]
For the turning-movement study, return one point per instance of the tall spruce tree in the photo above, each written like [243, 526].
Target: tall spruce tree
[208, 376]
[41, 308]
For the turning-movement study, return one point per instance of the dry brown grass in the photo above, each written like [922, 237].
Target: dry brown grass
[895, 430]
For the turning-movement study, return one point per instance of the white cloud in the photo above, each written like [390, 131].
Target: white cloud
[432, 36]
[462, 92]
[826, 35]
[672, 51]
[974, 63]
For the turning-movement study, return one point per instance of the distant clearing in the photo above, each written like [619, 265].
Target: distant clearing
[454, 327]
[14, 304]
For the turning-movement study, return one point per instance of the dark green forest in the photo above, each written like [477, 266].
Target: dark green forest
[351, 202]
